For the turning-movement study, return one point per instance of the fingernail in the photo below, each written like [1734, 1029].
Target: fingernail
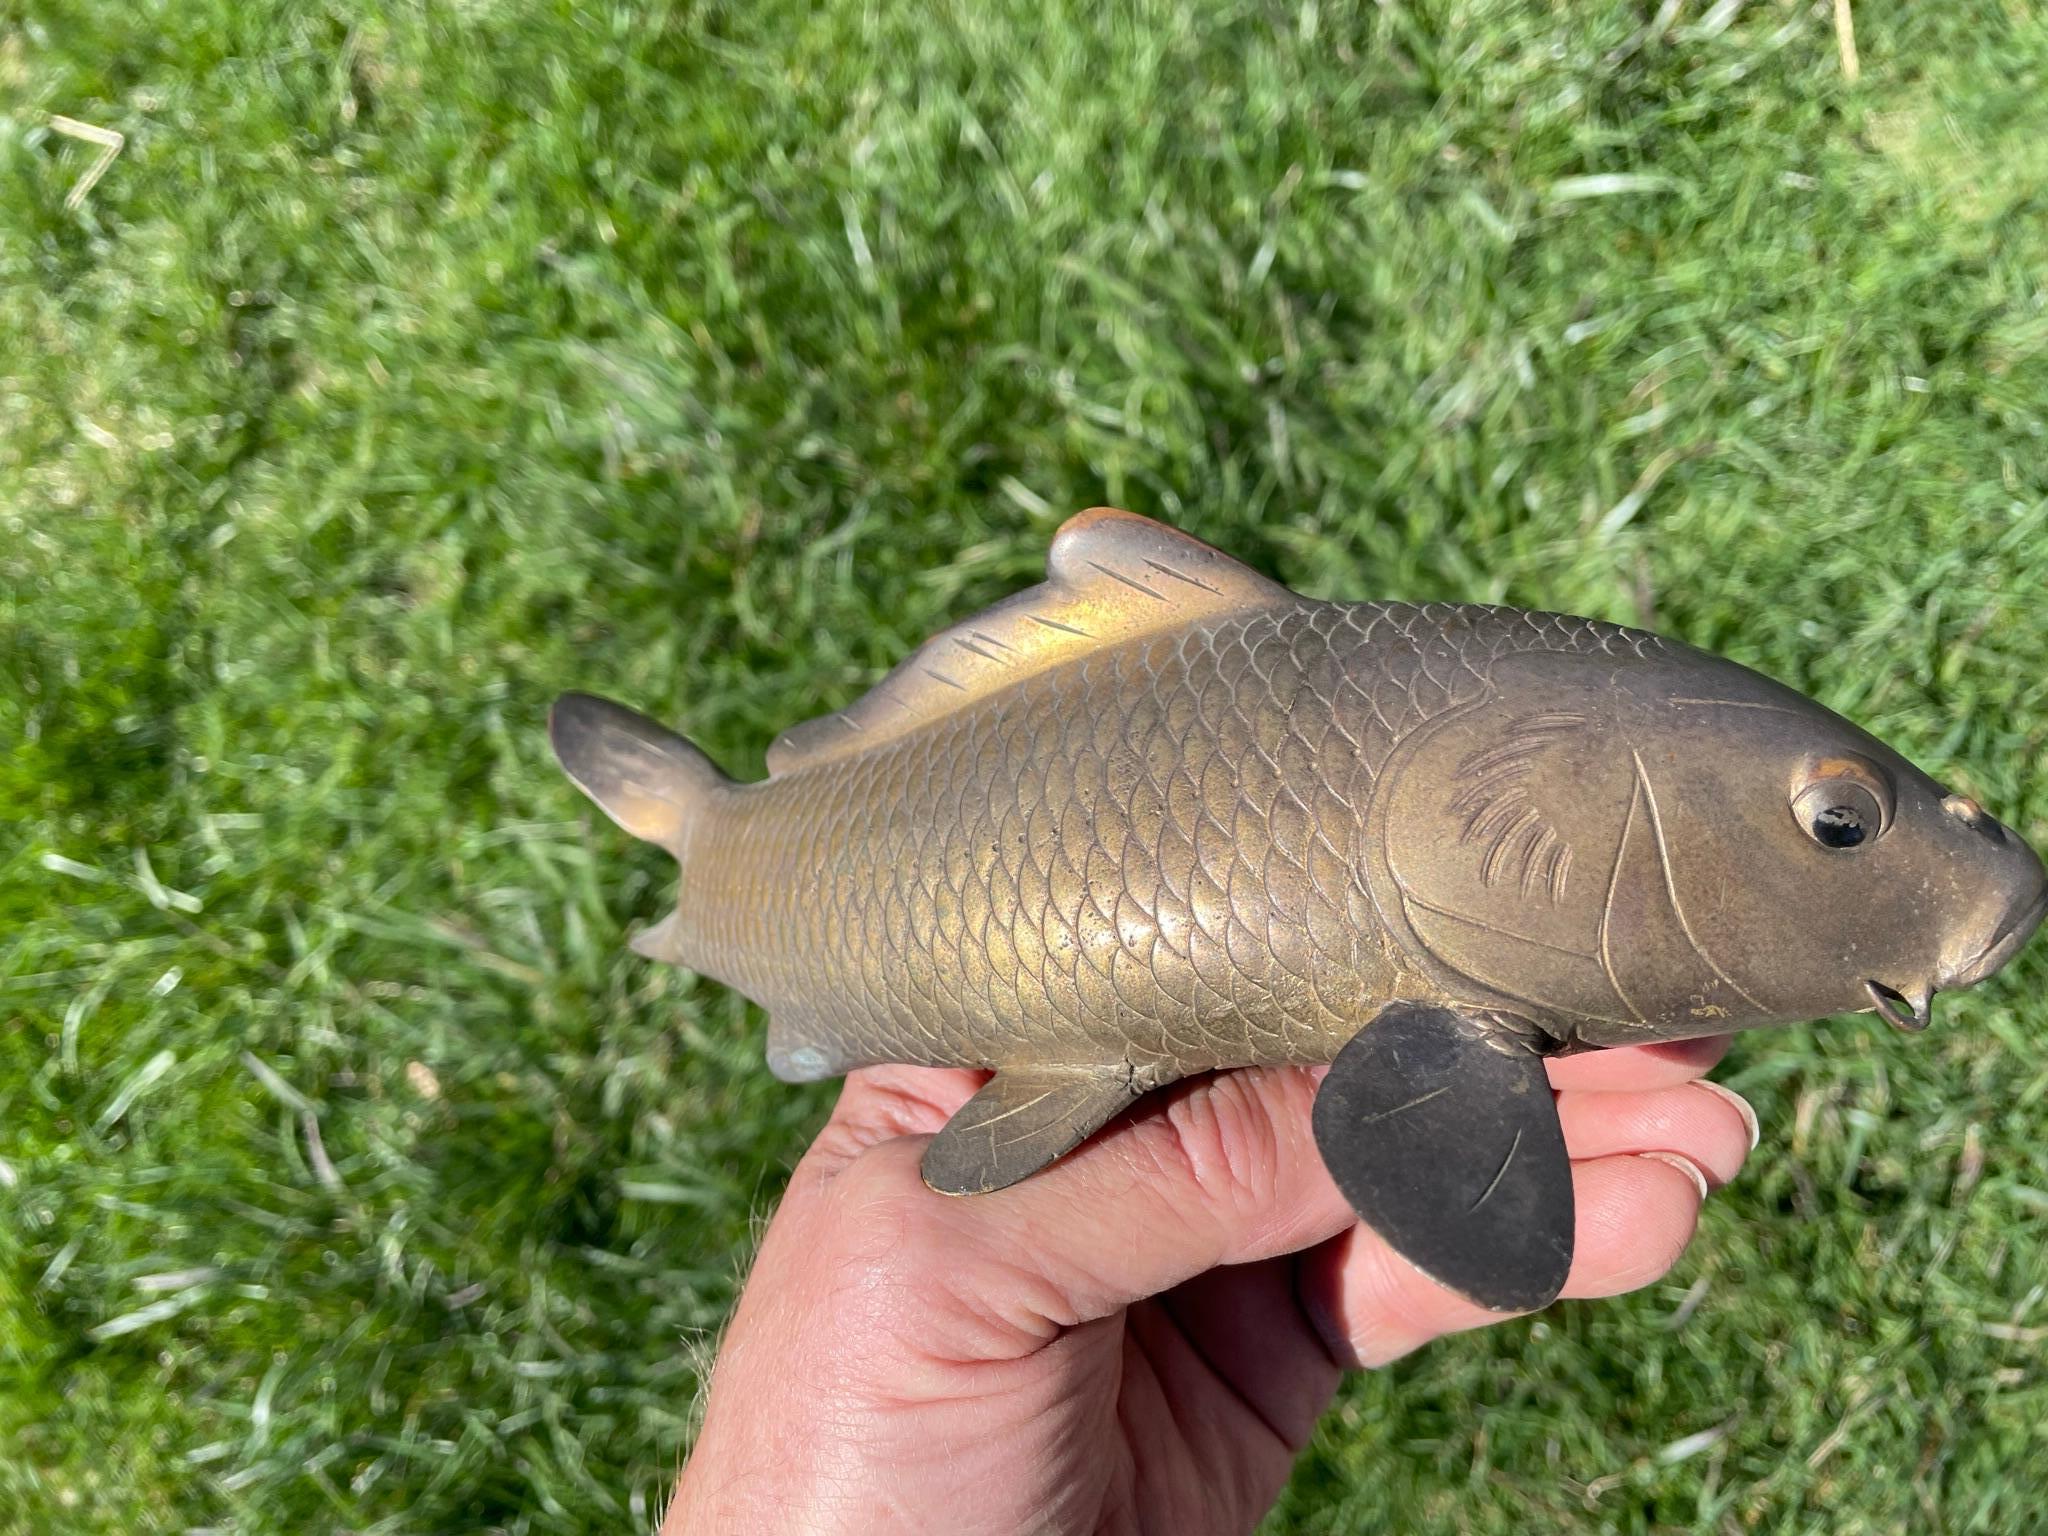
[1684, 1165]
[1742, 1108]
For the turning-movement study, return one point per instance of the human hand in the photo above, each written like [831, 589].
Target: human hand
[1139, 1338]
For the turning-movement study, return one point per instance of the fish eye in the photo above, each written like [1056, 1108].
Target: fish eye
[1844, 806]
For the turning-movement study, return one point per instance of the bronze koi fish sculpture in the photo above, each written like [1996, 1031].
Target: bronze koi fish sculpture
[1160, 816]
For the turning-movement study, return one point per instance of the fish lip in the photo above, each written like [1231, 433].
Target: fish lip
[2001, 946]
[1912, 1011]
[1897, 1009]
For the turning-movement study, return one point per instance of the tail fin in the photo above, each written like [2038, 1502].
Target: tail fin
[642, 775]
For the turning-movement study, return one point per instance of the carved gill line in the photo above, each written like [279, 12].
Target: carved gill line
[1560, 871]
[1511, 759]
[1671, 885]
[1535, 735]
[1628, 823]
[1545, 839]
[1489, 820]
[1499, 1174]
[1499, 790]
[1475, 802]
[1533, 837]
[1414, 900]
[1410, 899]
[1494, 781]
[1479, 812]
[1503, 839]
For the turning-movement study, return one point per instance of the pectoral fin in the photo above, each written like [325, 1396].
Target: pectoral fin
[1446, 1141]
[1022, 1119]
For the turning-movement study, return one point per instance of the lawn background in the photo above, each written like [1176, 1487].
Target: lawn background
[414, 361]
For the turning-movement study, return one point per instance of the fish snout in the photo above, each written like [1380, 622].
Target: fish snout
[1911, 1009]
[2023, 892]
[2003, 944]
[2014, 905]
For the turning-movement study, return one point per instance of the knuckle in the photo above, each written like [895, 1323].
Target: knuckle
[1221, 1138]
[877, 1232]
[904, 1263]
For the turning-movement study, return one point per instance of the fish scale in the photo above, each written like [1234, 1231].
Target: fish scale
[1097, 842]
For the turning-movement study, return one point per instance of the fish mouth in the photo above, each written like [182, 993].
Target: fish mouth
[1899, 1010]
[1912, 1011]
[2001, 946]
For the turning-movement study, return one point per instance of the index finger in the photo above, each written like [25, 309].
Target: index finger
[1632, 1068]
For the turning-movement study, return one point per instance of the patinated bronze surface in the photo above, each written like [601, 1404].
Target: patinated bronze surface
[1160, 815]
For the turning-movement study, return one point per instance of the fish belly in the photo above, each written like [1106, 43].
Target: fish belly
[1146, 856]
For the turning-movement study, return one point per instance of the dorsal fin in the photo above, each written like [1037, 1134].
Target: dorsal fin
[1112, 576]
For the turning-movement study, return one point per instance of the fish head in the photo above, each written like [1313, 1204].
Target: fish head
[1823, 871]
[1734, 854]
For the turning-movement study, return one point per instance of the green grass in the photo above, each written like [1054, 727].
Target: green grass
[414, 362]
